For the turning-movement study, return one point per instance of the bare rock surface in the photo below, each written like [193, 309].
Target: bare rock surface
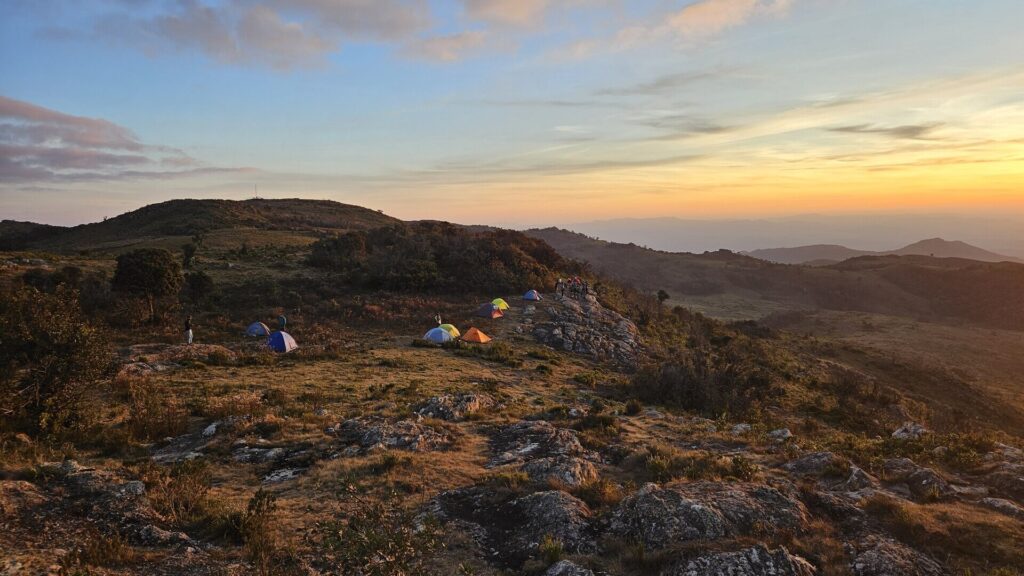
[567, 568]
[884, 557]
[455, 407]
[1003, 507]
[370, 433]
[924, 483]
[756, 561]
[586, 327]
[544, 451]
[660, 516]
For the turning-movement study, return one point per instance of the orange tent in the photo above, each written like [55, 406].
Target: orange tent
[474, 335]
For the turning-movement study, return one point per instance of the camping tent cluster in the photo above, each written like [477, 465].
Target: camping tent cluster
[277, 341]
[494, 309]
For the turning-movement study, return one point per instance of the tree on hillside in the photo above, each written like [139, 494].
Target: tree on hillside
[198, 286]
[152, 274]
[188, 253]
[49, 357]
[662, 297]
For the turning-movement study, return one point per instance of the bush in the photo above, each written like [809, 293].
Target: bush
[380, 538]
[633, 407]
[49, 359]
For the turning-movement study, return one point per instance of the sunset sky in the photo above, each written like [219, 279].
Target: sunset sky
[514, 112]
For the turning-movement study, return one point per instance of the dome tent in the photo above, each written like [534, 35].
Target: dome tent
[501, 304]
[532, 296]
[258, 329]
[474, 335]
[281, 342]
[451, 329]
[438, 336]
[489, 311]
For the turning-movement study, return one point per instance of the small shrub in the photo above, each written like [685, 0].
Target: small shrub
[154, 412]
[106, 550]
[599, 492]
[586, 378]
[551, 549]
[633, 407]
[742, 469]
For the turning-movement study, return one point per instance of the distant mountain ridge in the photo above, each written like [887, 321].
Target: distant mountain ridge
[826, 254]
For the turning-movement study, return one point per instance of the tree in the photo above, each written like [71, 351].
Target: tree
[188, 253]
[152, 274]
[198, 286]
[662, 297]
[49, 357]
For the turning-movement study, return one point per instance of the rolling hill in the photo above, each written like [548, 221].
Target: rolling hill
[825, 254]
[734, 286]
[177, 219]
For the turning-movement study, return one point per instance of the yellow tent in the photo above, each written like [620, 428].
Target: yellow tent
[450, 329]
[474, 335]
[501, 304]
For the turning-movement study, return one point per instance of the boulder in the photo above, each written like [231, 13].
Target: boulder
[659, 516]
[813, 464]
[1003, 507]
[588, 328]
[556, 514]
[780, 435]
[532, 441]
[1007, 478]
[567, 568]
[455, 407]
[910, 431]
[567, 470]
[924, 483]
[741, 429]
[372, 433]
[756, 561]
[884, 557]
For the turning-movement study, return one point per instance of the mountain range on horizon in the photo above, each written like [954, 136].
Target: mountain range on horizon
[877, 233]
[828, 254]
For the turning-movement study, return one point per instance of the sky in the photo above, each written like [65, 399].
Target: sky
[515, 112]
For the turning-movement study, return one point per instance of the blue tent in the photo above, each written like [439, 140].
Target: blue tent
[258, 329]
[281, 342]
[438, 336]
[532, 295]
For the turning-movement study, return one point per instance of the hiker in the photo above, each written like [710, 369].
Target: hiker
[188, 330]
[558, 286]
[281, 322]
[437, 316]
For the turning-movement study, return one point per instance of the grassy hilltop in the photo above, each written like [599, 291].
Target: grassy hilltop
[617, 434]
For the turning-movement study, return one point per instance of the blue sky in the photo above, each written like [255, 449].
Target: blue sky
[514, 112]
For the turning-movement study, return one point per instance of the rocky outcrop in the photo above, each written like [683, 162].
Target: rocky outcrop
[884, 557]
[544, 451]
[368, 434]
[567, 568]
[924, 484]
[756, 561]
[659, 516]
[512, 530]
[1003, 507]
[910, 431]
[1008, 478]
[585, 327]
[455, 407]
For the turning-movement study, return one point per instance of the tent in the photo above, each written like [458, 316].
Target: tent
[281, 342]
[451, 330]
[489, 311]
[438, 336]
[501, 304]
[532, 296]
[258, 329]
[474, 335]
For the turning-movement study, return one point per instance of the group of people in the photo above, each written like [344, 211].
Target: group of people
[575, 287]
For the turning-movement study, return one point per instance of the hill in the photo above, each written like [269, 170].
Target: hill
[15, 235]
[177, 219]
[734, 286]
[824, 254]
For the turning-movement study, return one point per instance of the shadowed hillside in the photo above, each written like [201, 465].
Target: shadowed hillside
[730, 285]
[184, 218]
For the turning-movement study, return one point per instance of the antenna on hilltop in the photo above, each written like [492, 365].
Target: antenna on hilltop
[256, 190]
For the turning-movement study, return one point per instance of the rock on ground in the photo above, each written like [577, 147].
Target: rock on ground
[660, 516]
[455, 407]
[375, 433]
[544, 451]
[924, 483]
[511, 530]
[1004, 507]
[567, 568]
[884, 557]
[756, 561]
[588, 328]
[910, 431]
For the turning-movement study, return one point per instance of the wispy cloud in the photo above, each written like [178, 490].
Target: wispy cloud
[517, 12]
[663, 84]
[711, 17]
[448, 48]
[909, 131]
[40, 144]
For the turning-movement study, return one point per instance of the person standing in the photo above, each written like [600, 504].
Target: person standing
[281, 322]
[188, 330]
